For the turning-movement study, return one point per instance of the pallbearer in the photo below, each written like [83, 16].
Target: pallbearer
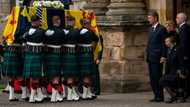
[13, 64]
[33, 58]
[85, 57]
[53, 40]
[70, 70]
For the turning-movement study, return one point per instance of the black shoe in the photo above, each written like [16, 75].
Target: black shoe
[94, 97]
[157, 100]
[13, 100]
[25, 99]
[47, 99]
[182, 100]
[152, 100]
[171, 100]
[39, 101]
[5, 91]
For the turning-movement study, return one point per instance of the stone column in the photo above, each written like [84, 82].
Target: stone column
[78, 4]
[124, 27]
[99, 7]
[126, 11]
[5, 7]
[124, 32]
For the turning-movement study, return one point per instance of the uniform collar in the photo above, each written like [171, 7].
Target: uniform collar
[155, 25]
[181, 24]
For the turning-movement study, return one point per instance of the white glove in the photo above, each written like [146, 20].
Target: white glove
[49, 32]
[83, 31]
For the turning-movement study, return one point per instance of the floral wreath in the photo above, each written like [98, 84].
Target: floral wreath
[50, 4]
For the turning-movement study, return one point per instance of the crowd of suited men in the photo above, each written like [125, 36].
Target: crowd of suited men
[168, 50]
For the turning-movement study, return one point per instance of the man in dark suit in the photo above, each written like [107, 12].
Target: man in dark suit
[184, 39]
[184, 44]
[156, 54]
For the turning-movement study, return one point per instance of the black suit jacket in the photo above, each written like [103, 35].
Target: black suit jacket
[156, 47]
[172, 63]
[184, 41]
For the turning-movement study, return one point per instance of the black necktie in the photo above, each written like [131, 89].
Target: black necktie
[153, 29]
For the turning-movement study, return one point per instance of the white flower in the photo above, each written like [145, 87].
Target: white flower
[54, 4]
[48, 3]
[43, 3]
[35, 3]
[40, 4]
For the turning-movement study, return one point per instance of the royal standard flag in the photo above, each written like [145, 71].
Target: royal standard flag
[11, 25]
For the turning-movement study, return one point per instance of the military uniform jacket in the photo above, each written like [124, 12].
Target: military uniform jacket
[54, 36]
[71, 36]
[87, 36]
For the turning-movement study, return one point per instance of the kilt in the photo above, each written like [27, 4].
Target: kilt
[33, 63]
[52, 63]
[69, 61]
[86, 61]
[12, 65]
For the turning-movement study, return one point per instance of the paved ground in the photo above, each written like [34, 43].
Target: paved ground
[105, 100]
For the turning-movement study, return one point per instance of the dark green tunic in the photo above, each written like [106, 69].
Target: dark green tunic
[85, 54]
[33, 58]
[69, 58]
[53, 55]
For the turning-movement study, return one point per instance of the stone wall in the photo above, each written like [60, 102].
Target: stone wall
[4, 11]
[123, 68]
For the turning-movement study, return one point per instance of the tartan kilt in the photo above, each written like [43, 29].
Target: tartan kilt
[53, 64]
[86, 64]
[12, 64]
[33, 65]
[70, 67]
